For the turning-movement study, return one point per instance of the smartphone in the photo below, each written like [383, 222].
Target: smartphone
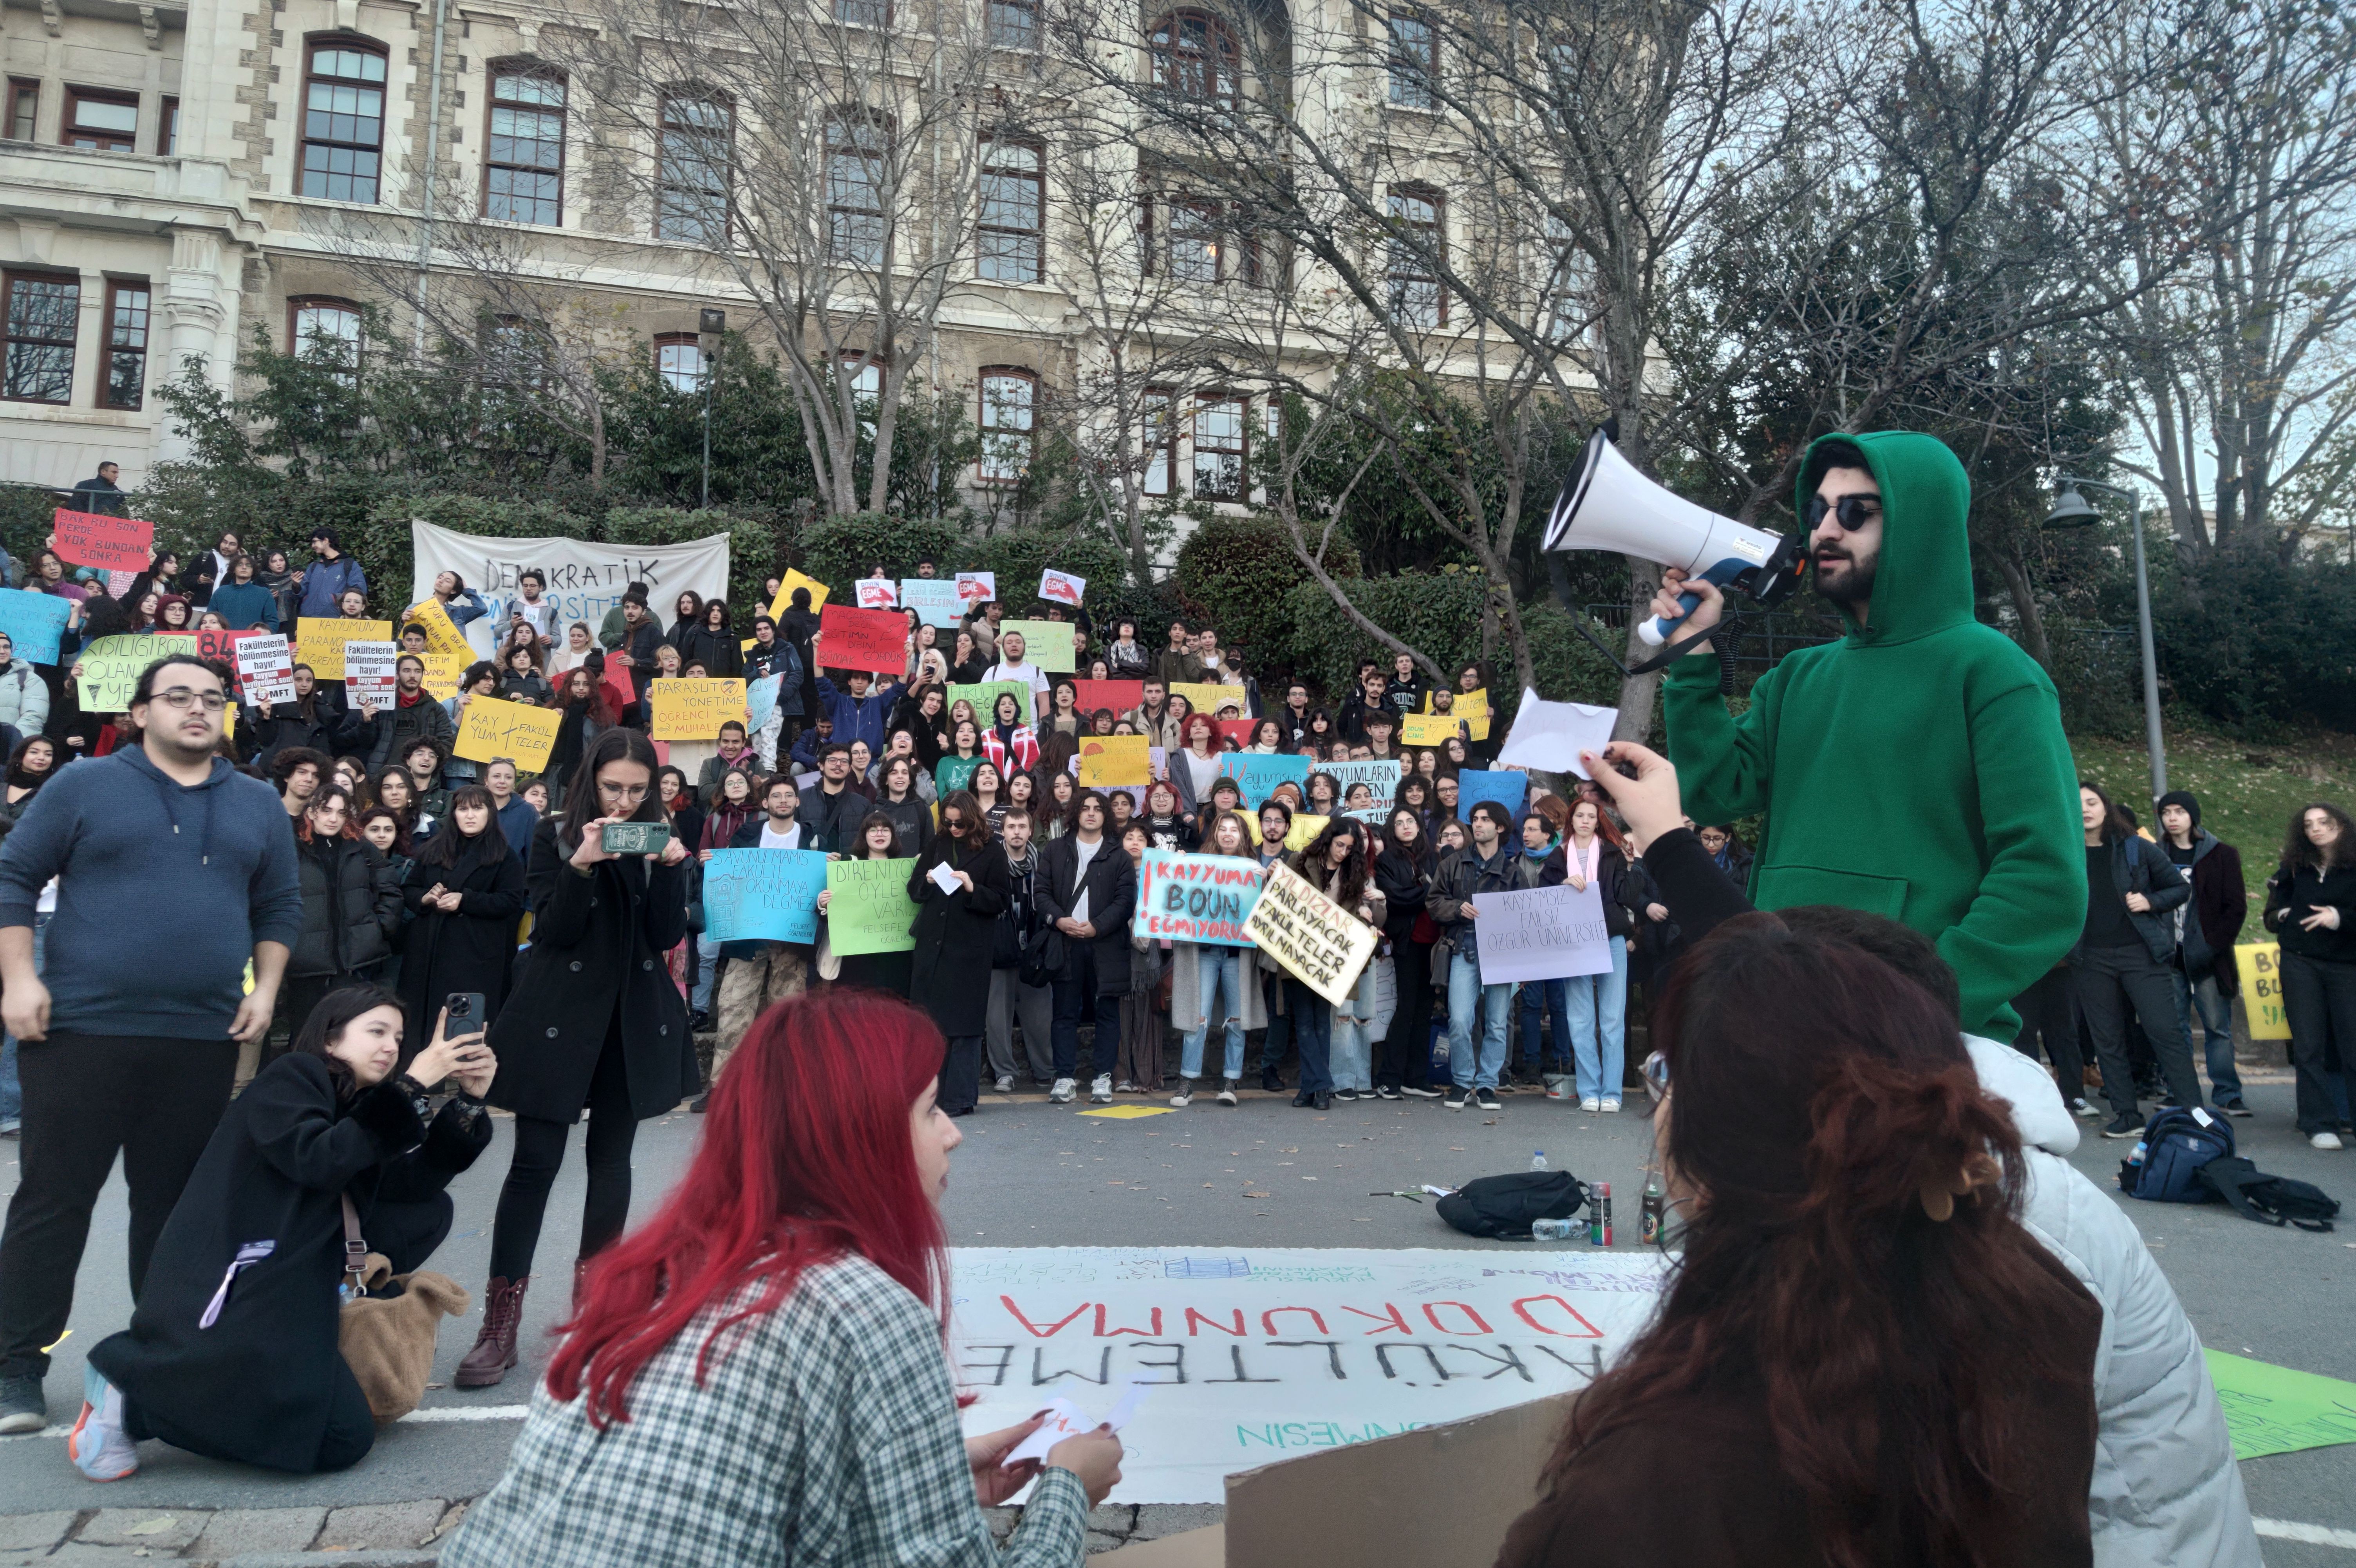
[634, 838]
[466, 1010]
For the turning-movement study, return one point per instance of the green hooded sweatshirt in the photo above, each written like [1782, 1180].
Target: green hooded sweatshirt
[1916, 768]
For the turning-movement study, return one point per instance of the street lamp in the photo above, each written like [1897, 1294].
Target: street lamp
[2073, 509]
[708, 329]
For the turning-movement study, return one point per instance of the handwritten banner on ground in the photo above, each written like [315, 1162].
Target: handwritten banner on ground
[1062, 586]
[984, 698]
[786, 586]
[319, 643]
[110, 667]
[1426, 729]
[265, 669]
[1196, 897]
[1322, 944]
[878, 594]
[867, 906]
[953, 773]
[441, 633]
[1114, 759]
[762, 895]
[110, 544]
[977, 587]
[369, 671]
[862, 639]
[1474, 785]
[494, 728]
[694, 710]
[1381, 779]
[1543, 933]
[2278, 1410]
[1258, 774]
[934, 600]
[2262, 994]
[1117, 697]
[34, 624]
[1046, 643]
[1208, 697]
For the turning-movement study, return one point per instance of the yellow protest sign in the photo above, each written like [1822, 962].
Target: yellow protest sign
[494, 728]
[694, 710]
[443, 669]
[1113, 759]
[319, 643]
[1207, 697]
[441, 633]
[110, 667]
[1426, 729]
[1323, 944]
[786, 586]
[2262, 996]
[1473, 707]
[1301, 836]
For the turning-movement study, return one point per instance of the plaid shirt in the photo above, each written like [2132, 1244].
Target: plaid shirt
[825, 1432]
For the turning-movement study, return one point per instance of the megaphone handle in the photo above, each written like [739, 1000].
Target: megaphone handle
[1657, 631]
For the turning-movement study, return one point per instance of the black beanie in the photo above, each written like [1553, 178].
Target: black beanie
[2186, 798]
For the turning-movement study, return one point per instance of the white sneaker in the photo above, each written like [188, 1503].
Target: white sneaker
[1590, 1104]
[98, 1446]
[1100, 1091]
[1004, 1085]
[2327, 1140]
[1062, 1091]
[1610, 1107]
[1227, 1091]
[1185, 1095]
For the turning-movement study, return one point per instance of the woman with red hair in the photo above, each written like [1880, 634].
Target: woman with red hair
[758, 1375]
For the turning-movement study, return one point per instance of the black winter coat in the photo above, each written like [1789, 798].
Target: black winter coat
[950, 974]
[1112, 898]
[351, 908]
[473, 950]
[284, 727]
[2293, 893]
[719, 652]
[257, 1386]
[598, 963]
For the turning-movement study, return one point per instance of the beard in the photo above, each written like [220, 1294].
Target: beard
[1840, 576]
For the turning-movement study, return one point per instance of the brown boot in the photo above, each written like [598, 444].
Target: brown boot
[495, 1346]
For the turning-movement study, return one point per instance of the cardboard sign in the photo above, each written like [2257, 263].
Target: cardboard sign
[862, 639]
[983, 695]
[1542, 933]
[441, 633]
[977, 587]
[1062, 586]
[2262, 994]
[1427, 729]
[867, 908]
[1552, 734]
[762, 895]
[444, 670]
[1114, 759]
[1046, 643]
[265, 667]
[35, 624]
[1474, 785]
[495, 727]
[1207, 697]
[1259, 775]
[1473, 707]
[934, 600]
[1115, 697]
[2279, 1410]
[877, 594]
[110, 544]
[786, 586]
[319, 643]
[1196, 897]
[369, 671]
[110, 667]
[1320, 943]
[694, 710]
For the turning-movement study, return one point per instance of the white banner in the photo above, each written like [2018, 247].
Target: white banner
[1543, 933]
[585, 579]
[1250, 1356]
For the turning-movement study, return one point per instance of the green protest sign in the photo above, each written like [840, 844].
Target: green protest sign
[1046, 643]
[867, 906]
[110, 667]
[984, 698]
[2277, 1410]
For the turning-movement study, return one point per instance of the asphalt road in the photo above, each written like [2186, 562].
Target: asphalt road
[1034, 1175]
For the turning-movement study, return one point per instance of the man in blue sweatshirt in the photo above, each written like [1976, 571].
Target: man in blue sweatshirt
[128, 1039]
[327, 579]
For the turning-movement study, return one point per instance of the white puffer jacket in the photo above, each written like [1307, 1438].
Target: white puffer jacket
[24, 699]
[2166, 1487]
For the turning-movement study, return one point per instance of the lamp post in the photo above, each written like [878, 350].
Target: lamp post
[2073, 509]
[709, 329]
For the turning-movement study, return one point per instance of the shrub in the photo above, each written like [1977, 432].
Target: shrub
[2252, 641]
[1236, 573]
[1019, 555]
[838, 550]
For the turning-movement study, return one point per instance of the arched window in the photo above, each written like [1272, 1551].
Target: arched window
[1010, 412]
[343, 121]
[523, 158]
[678, 361]
[326, 331]
[1195, 56]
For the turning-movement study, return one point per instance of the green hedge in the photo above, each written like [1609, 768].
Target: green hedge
[838, 551]
[1237, 572]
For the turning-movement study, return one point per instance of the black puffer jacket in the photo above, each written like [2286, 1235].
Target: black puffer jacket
[351, 908]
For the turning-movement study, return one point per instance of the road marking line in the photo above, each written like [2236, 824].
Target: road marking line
[2312, 1534]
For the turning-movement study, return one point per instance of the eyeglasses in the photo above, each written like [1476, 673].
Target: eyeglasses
[180, 697]
[1853, 512]
[621, 792]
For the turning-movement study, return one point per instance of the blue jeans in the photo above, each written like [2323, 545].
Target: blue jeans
[1313, 1032]
[1216, 967]
[1550, 997]
[2216, 1011]
[1465, 993]
[1602, 998]
[707, 967]
[12, 1092]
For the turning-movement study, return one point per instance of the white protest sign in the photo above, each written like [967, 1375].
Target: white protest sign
[1062, 586]
[933, 599]
[1551, 735]
[1256, 1355]
[1066, 1419]
[1381, 778]
[369, 670]
[265, 669]
[878, 594]
[586, 578]
[977, 587]
[1323, 945]
[1545, 933]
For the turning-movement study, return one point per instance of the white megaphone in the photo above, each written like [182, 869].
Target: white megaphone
[1607, 505]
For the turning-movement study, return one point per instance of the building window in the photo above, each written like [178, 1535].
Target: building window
[24, 108]
[1161, 440]
[102, 122]
[1012, 208]
[692, 205]
[678, 361]
[167, 128]
[1219, 448]
[1414, 63]
[1013, 24]
[342, 122]
[1197, 243]
[42, 314]
[863, 13]
[1195, 56]
[1418, 214]
[523, 175]
[515, 356]
[326, 332]
[1009, 407]
[126, 346]
[866, 378]
[856, 145]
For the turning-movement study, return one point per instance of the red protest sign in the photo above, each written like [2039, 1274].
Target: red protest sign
[862, 639]
[1118, 695]
[1237, 730]
[221, 645]
[114, 543]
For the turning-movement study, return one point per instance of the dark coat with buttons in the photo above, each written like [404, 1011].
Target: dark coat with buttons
[596, 961]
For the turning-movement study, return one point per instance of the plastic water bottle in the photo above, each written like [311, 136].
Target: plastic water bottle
[1539, 1160]
[1550, 1229]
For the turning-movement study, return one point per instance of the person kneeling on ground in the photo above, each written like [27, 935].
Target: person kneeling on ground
[232, 1350]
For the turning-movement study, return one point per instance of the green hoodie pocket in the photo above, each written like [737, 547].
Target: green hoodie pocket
[1786, 887]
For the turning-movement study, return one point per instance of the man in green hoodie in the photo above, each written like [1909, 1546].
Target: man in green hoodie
[1916, 768]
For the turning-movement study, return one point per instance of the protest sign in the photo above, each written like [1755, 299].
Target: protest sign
[1552, 734]
[110, 544]
[1115, 696]
[983, 695]
[369, 672]
[933, 599]
[1427, 729]
[319, 643]
[1304, 831]
[441, 633]
[867, 906]
[977, 587]
[1237, 730]
[953, 773]
[265, 669]
[586, 578]
[34, 624]
[110, 667]
[1471, 706]
[877, 594]
[786, 586]
[221, 645]
[1542, 933]
[862, 639]
[761, 699]
[1046, 643]
[762, 895]
[495, 727]
[1474, 785]
[2279, 1410]
[1114, 759]
[2261, 992]
[1062, 586]
[1196, 897]
[694, 710]
[1322, 944]
[1381, 779]
[1209, 697]
[1259, 775]
[443, 667]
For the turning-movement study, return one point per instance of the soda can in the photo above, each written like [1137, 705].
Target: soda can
[1599, 1226]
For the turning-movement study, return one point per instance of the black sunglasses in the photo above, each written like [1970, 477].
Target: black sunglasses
[1853, 512]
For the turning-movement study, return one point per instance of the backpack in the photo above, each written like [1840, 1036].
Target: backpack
[2269, 1199]
[1501, 1207]
[2177, 1142]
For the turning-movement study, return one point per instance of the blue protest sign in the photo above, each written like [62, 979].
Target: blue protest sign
[761, 699]
[762, 895]
[1197, 897]
[35, 624]
[934, 600]
[1474, 785]
[1258, 775]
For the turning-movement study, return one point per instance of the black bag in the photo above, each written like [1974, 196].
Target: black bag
[2269, 1199]
[1042, 957]
[1503, 1207]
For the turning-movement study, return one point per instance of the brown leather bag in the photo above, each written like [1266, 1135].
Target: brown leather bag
[388, 1341]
